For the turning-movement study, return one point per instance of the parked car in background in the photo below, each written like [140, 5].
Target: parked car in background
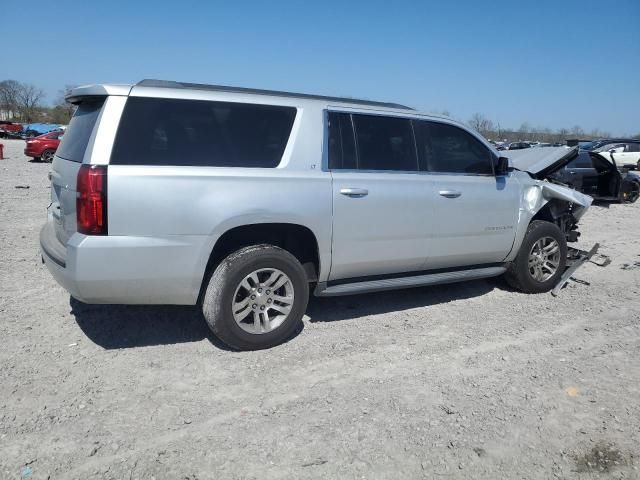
[31, 130]
[626, 153]
[519, 145]
[44, 146]
[599, 176]
[10, 129]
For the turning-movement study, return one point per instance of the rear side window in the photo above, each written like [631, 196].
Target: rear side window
[156, 131]
[452, 150]
[76, 137]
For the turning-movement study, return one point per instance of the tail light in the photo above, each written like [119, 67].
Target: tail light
[91, 201]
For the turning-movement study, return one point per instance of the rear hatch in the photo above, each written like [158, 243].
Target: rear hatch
[67, 162]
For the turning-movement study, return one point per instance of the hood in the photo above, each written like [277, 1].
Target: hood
[542, 161]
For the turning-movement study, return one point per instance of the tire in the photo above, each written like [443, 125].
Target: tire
[47, 155]
[228, 288]
[519, 273]
[630, 192]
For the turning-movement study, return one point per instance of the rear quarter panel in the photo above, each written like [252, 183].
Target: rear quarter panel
[199, 204]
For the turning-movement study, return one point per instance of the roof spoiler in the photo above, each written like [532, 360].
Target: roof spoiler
[78, 94]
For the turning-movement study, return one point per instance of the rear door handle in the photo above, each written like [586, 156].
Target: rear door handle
[354, 192]
[450, 193]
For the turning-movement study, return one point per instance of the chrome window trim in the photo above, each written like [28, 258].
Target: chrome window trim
[352, 111]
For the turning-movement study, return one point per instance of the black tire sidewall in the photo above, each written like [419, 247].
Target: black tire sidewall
[42, 156]
[228, 276]
[536, 231]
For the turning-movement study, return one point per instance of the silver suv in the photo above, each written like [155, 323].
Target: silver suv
[244, 201]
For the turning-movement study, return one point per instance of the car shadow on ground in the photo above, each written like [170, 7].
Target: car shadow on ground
[130, 326]
[332, 309]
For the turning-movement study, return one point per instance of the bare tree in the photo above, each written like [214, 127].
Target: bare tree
[481, 124]
[63, 110]
[29, 102]
[524, 131]
[577, 131]
[9, 90]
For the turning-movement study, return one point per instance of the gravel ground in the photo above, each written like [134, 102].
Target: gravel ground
[460, 381]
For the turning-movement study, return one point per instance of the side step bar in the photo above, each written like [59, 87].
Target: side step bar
[367, 286]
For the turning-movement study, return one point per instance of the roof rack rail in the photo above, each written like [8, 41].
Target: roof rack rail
[223, 88]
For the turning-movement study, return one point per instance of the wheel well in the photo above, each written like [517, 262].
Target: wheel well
[296, 239]
[559, 213]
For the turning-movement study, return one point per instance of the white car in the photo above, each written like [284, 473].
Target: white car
[624, 153]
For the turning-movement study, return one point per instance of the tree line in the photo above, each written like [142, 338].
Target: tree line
[24, 103]
[526, 132]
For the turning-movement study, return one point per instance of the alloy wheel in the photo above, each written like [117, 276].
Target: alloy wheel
[263, 300]
[544, 259]
[47, 156]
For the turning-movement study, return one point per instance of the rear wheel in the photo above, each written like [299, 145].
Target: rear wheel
[541, 260]
[47, 156]
[630, 192]
[256, 297]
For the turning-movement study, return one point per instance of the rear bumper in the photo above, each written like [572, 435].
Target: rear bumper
[32, 153]
[127, 270]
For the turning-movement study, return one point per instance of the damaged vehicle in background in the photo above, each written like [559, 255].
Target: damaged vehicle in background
[598, 175]
[245, 202]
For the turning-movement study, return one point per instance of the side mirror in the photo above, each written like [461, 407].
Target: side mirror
[502, 166]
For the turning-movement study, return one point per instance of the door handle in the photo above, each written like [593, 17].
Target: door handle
[450, 193]
[354, 192]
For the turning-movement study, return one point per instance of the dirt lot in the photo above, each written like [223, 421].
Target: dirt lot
[461, 381]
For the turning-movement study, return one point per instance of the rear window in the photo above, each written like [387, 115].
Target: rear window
[76, 137]
[156, 131]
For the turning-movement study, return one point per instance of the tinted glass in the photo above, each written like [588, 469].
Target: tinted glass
[633, 147]
[342, 152]
[583, 161]
[384, 143]
[452, 150]
[77, 134]
[157, 131]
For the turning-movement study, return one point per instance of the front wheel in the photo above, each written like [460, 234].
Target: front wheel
[256, 297]
[541, 260]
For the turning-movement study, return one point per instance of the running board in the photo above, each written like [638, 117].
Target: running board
[322, 290]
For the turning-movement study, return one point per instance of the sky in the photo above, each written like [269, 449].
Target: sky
[552, 64]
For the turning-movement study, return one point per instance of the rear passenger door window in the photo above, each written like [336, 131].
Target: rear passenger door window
[371, 143]
[157, 131]
[385, 143]
[449, 149]
[342, 149]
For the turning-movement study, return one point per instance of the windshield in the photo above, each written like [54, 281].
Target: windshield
[586, 145]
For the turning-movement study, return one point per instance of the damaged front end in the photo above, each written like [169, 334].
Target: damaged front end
[545, 198]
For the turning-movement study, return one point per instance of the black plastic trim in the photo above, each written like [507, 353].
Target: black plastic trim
[276, 93]
[415, 273]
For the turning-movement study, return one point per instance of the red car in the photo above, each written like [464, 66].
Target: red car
[43, 147]
[9, 129]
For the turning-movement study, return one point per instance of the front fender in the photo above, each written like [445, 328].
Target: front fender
[535, 197]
